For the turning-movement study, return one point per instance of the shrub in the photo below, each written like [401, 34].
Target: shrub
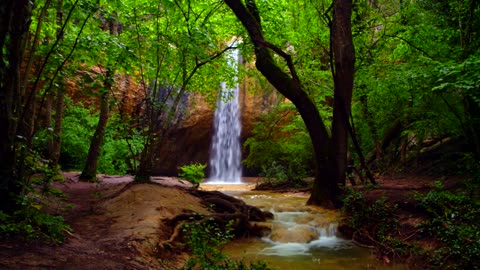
[374, 222]
[454, 220]
[193, 173]
[30, 222]
[205, 239]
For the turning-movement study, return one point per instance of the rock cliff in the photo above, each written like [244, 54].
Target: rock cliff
[191, 141]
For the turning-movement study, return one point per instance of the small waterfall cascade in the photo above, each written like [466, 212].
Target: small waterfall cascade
[297, 233]
[225, 157]
[300, 236]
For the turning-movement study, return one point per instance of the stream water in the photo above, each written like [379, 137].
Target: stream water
[303, 237]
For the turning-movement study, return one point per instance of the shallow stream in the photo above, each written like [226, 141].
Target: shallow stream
[303, 237]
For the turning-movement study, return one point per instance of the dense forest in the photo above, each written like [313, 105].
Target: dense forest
[368, 87]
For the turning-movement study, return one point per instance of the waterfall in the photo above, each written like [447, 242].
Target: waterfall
[226, 153]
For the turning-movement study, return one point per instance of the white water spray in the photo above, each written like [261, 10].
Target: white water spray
[225, 158]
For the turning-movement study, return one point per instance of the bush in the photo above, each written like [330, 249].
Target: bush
[29, 221]
[374, 223]
[205, 239]
[454, 220]
[362, 214]
[193, 173]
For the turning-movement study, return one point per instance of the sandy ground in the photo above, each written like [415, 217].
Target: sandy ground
[113, 227]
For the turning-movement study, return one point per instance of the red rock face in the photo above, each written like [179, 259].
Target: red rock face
[191, 142]
[128, 93]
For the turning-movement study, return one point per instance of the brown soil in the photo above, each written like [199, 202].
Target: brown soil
[116, 225]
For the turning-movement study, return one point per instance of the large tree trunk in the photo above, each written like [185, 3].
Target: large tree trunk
[14, 25]
[325, 190]
[344, 59]
[90, 170]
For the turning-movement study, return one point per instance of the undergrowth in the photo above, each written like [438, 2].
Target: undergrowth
[375, 224]
[452, 224]
[205, 241]
[30, 220]
[454, 221]
[193, 173]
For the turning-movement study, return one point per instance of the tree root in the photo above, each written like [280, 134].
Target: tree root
[226, 211]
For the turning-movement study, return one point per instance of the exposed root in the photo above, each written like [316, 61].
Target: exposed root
[173, 237]
[226, 211]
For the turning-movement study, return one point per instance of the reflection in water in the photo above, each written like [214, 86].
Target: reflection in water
[302, 237]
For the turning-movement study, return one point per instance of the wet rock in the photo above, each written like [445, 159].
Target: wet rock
[295, 234]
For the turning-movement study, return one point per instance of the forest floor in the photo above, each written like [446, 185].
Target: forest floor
[118, 226]
[399, 193]
[115, 226]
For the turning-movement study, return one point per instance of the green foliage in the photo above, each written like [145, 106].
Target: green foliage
[117, 155]
[77, 128]
[30, 220]
[274, 173]
[365, 215]
[205, 239]
[417, 69]
[193, 173]
[121, 148]
[377, 220]
[31, 223]
[280, 147]
[454, 220]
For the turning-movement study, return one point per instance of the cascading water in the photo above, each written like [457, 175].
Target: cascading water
[302, 237]
[225, 156]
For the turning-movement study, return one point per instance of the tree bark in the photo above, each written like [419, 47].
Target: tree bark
[344, 61]
[14, 25]
[90, 170]
[56, 140]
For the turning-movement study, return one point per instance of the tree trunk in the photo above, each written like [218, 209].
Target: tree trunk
[90, 170]
[344, 59]
[14, 25]
[56, 140]
[144, 171]
[325, 190]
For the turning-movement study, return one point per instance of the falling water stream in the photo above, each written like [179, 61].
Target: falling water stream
[225, 155]
[302, 237]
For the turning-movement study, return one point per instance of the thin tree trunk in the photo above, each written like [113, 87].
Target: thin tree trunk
[89, 172]
[56, 139]
[56, 142]
[30, 108]
[371, 125]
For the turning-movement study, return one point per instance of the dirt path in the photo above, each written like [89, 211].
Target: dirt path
[111, 230]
